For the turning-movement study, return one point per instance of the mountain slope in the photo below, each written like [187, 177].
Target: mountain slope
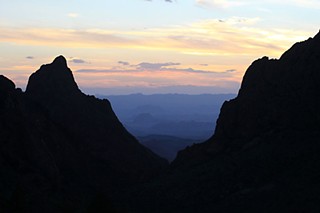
[264, 155]
[90, 122]
[61, 150]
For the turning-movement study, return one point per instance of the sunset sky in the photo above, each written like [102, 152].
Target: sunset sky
[158, 46]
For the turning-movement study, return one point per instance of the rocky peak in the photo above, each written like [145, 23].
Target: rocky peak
[60, 147]
[7, 88]
[6, 85]
[90, 123]
[53, 79]
[304, 49]
[60, 61]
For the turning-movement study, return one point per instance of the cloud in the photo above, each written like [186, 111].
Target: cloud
[78, 61]
[240, 21]
[191, 70]
[107, 71]
[235, 36]
[155, 66]
[30, 57]
[124, 63]
[90, 38]
[185, 70]
[147, 79]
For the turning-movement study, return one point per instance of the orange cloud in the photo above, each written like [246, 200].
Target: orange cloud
[235, 36]
[220, 44]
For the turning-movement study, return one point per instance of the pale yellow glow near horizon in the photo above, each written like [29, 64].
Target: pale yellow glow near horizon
[230, 44]
[204, 43]
[209, 37]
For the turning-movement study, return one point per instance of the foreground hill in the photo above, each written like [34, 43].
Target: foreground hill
[64, 151]
[264, 155]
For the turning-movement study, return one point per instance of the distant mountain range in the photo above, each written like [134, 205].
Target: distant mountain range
[172, 121]
[178, 115]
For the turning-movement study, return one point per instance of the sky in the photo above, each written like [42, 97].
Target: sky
[151, 46]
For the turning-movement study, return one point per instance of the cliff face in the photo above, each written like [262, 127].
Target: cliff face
[263, 156]
[276, 94]
[61, 149]
[34, 155]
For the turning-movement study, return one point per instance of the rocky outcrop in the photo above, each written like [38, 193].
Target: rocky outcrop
[276, 94]
[61, 149]
[90, 123]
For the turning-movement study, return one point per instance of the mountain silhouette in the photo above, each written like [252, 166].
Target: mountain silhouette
[64, 151]
[88, 119]
[264, 154]
[61, 149]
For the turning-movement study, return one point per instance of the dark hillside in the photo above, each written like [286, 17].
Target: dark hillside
[264, 155]
[61, 150]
